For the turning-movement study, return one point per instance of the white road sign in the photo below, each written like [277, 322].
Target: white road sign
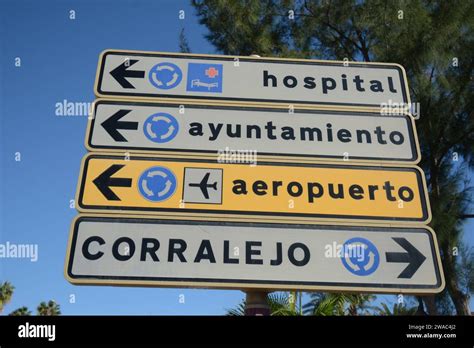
[139, 251]
[135, 74]
[267, 132]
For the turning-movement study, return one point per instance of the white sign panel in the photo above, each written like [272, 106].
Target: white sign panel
[136, 74]
[270, 132]
[140, 251]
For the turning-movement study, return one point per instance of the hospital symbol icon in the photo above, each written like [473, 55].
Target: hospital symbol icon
[204, 78]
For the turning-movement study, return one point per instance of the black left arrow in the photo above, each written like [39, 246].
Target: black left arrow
[413, 257]
[104, 182]
[113, 123]
[121, 72]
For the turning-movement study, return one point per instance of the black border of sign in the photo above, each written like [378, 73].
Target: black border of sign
[411, 131]
[247, 213]
[253, 225]
[249, 59]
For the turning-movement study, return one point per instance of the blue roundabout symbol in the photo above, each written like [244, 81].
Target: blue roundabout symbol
[157, 184]
[360, 256]
[165, 75]
[160, 127]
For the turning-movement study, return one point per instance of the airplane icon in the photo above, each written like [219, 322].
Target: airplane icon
[204, 185]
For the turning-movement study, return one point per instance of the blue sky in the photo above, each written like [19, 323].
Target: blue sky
[58, 61]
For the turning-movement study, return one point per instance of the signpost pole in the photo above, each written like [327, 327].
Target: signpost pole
[256, 303]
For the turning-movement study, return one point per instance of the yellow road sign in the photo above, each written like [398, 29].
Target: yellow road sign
[258, 191]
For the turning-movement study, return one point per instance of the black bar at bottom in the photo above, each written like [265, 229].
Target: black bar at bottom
[140, 330]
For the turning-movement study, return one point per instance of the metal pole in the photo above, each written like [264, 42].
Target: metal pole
[256, 303]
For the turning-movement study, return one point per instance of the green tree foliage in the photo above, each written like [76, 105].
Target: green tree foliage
[283, 304]
[22, 311]
[243, 27]
[279, 303]
[6, 293]
[183, 42]
[397, 309]
[325, 304]
[239, 310]
[433, 40]
[51, 308]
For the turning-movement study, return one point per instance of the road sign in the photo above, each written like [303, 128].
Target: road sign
[135, 74]
[264, 191]
[269, 132]
[104, 250]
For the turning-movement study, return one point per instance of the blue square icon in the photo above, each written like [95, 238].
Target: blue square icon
[204, 78]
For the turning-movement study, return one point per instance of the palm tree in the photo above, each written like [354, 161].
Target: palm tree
[360, 304]
[22, 311]
[320, 304]
[279, 304]
[338, 304]
[6, 293]
[324, 304]
[48, 309]
[397, 309]
[237, 311]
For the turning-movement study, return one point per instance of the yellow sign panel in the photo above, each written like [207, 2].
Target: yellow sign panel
[257, 191]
